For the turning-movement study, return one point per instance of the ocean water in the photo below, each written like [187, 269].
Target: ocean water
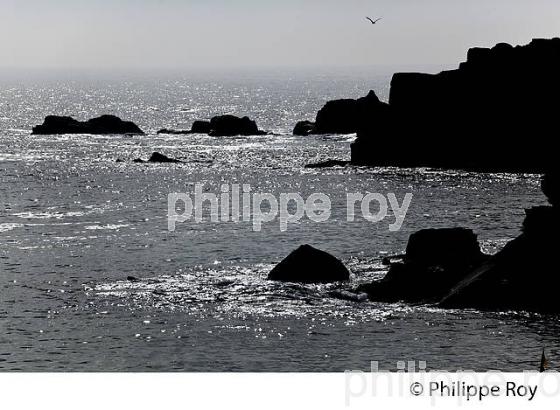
[74, 223]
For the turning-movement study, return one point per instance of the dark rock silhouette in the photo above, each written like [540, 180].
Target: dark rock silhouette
[221, 126]
[201, 127]
[551, 186]
[472, 117]
[304, 128]
[446, 267]
[345, 116]
[174, 132]
[329, 164]
[348, 116]
[230, 125]
[522, 276]
[309, 265]
[158, 158]
[104, 125]
[435, 260]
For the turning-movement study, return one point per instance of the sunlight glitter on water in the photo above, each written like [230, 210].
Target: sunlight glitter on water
[81, 223]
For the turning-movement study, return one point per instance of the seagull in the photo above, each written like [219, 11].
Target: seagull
[372, 21]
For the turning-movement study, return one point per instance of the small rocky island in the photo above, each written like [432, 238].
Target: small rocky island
[104, 125]
[221, 126]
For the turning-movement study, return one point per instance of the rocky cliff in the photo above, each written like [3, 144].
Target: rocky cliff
[496, 112]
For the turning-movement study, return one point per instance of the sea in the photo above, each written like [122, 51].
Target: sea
[75, 223]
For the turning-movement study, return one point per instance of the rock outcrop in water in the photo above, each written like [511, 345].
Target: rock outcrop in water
[310, 265]
[174, 132]
[345, 116]
[221, 126]
[475, 117]
[435, 260]
[303, 128]
[104, 125]
[446, 267]
[230, 125]
[158, 158]
[198, 127]
[201, 127]
[328, 164]
[523, 276]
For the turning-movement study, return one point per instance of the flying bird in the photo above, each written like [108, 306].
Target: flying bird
[373, 21]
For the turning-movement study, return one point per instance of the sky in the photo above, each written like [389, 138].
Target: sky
[220, 34]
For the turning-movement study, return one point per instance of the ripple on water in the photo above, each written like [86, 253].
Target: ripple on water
[5, 227]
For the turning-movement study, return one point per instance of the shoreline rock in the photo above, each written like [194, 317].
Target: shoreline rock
[551, 187]
[447, 268]
[522, 276]
[435, 260]
[104, 125]
[469, 118]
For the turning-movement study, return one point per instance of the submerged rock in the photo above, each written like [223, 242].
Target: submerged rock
[468, 118]
[310, 265]
[104, 125]
[174, 132]
[329, 164]
[349, 296]
[156, 157]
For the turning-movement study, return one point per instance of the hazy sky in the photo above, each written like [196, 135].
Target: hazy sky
[220, 34]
